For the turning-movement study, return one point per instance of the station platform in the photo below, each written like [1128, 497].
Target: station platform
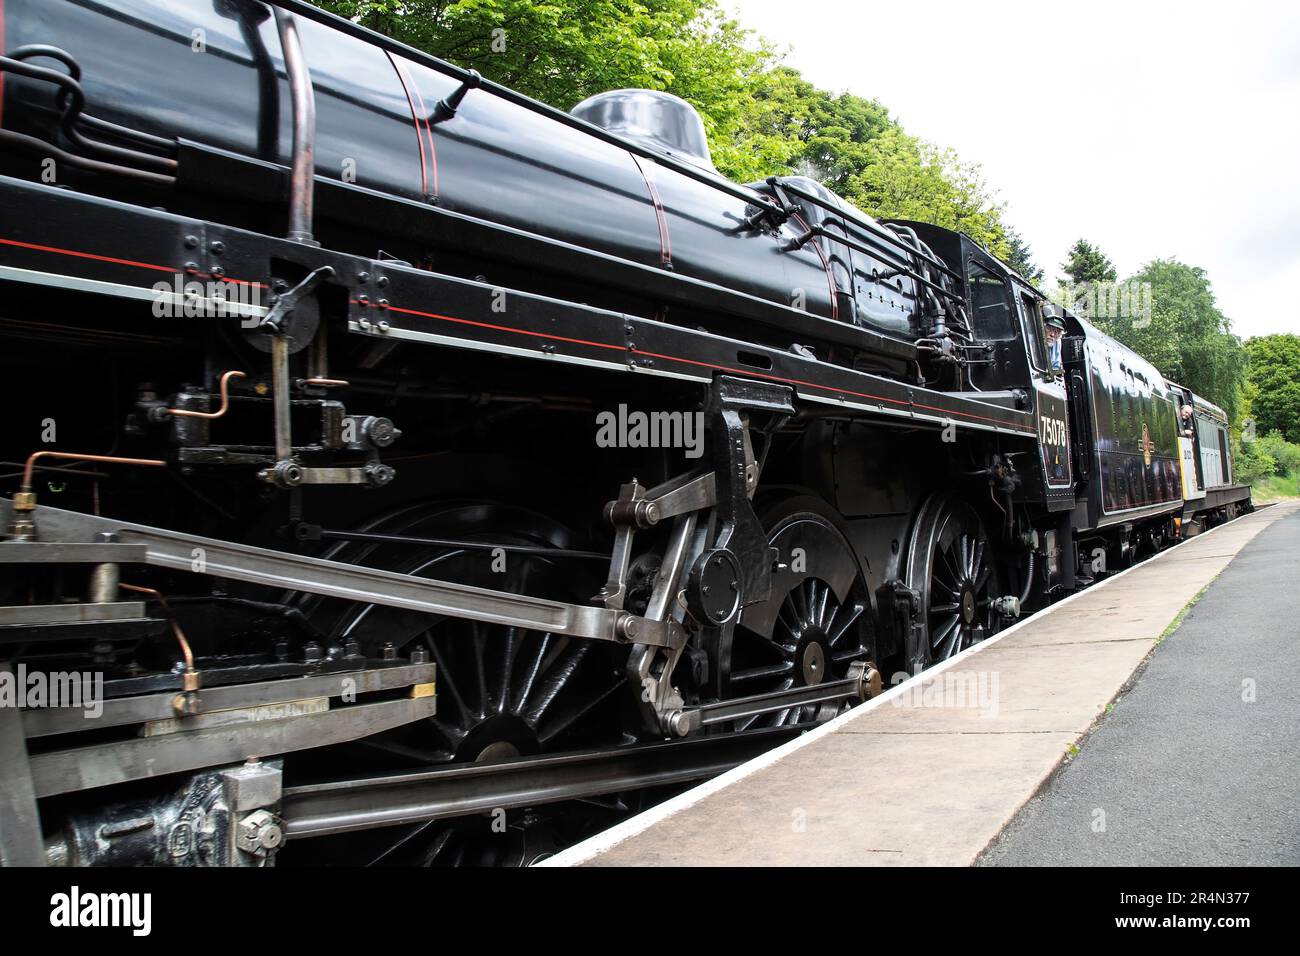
[931, 772]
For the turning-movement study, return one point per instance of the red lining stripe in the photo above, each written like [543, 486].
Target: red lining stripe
[549, 336]
[686, 361]
[87, 255]
[661, 220]
[826, 264]
[120, 262]
[503, 328]
[423, 117]
[415, 119]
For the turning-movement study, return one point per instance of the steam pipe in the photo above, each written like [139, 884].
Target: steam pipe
[23, 525]
[31, 50]
[302, 179]
[225, 400]
[73, 100]
[40, 147]
[110, 459]
[1029, 579]
[191, 679]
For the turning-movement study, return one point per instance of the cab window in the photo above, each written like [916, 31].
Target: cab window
[1035, 337]
[988, 293]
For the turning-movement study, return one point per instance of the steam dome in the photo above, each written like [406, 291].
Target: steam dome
[658, 120]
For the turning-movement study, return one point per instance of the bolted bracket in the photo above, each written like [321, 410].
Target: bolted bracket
[275, 320]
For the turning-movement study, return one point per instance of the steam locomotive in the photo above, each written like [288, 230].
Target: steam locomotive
[387, 447]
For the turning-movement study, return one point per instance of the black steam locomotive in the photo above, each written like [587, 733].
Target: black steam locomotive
[386, 447]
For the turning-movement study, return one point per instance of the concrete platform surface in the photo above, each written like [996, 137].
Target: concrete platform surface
[930, 772]
[1195, 765]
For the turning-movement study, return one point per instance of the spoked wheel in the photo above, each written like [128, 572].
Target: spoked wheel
[502, 692]
[516, 839]
[817, 622]
[951, 564]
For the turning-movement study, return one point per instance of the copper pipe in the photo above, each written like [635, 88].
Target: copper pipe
[327, 382]
[81, 472]
[176, 628]
[111, 459]
[225, 400]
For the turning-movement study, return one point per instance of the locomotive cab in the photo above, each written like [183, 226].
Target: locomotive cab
[1007, 360]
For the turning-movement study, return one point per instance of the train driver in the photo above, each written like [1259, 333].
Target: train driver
[1055, 327]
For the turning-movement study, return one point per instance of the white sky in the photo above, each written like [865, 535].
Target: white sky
[1153, 129]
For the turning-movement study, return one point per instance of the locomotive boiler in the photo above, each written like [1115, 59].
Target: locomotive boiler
[353, 403]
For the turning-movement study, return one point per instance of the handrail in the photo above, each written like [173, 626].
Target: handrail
[855, 243]
[849, 214]
[302, 179]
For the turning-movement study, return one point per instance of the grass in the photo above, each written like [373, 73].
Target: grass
[1275, 488]
[1178, 619]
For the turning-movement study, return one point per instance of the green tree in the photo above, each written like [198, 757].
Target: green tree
[563, 52]
[1085, 263]
[762, 118]
[1274, 376]
[1021, 258]
[1185, 335]
[1285, 454]
[789, 126]
[908, 178]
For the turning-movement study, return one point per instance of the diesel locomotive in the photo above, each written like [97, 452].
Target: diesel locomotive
[385, 448]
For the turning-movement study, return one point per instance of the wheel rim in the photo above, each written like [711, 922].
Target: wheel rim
[816, 623]
[521, 839]
[952, 561]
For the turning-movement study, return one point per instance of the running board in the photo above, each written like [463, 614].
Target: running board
[279, 569]
[262, 719]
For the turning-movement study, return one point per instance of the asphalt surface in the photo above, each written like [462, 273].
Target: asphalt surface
[1198, 762]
